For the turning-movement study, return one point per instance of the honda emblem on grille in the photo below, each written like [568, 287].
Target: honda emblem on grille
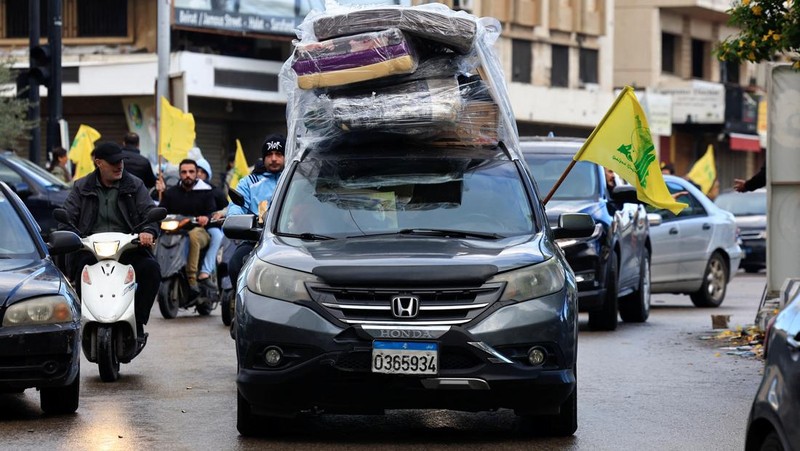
[405, 306]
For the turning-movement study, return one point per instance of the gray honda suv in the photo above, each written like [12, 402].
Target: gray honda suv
[401, 275]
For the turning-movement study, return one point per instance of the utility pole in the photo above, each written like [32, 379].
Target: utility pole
[33, 82]
[54, 101]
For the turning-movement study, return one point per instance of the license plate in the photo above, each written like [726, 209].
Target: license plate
[405, 357]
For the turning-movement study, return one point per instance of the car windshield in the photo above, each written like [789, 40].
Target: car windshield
[15, 241]
[42, 177]
[441, 191]
[743, 204]
[581, 183]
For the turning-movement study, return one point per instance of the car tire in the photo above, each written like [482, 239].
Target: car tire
[107, 359]
[606, 317]
[562, 424]
[751, 269]
[169, 297]
[715, 283]
[61, 400]
[227, 305]
[772, 442]
[635, 307]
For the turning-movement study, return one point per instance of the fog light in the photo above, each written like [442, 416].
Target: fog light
[536, 356]
[273, 356]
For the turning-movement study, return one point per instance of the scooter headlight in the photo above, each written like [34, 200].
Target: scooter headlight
[106, 248]
[170, 225]
[43, 310]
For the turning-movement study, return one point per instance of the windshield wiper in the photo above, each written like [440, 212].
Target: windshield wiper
[307, 236]
[436, 232]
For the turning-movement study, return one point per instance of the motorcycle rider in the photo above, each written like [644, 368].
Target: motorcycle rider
[215, 232]
[191, 197]
[111, 200]
[257, 189]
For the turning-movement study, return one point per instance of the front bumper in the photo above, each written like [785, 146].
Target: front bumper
[39, 356]
[754, 254]
[328, 366]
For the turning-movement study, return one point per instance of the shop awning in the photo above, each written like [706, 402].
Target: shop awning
[746, 143]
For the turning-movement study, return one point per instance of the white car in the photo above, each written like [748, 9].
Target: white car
[696, 252]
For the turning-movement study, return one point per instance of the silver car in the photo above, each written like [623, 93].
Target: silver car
[695, 252]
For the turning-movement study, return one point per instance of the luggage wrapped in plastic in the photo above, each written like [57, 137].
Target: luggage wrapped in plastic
[352, 59]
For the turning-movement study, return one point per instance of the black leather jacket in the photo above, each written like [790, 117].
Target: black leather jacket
[138, 165]
[82, 204]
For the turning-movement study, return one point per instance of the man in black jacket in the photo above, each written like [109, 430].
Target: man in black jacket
[191, 197]
[111, 200]
[135, 163]
[759, 180]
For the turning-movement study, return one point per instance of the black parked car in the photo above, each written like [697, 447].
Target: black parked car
[39, 190]
[612, 266]
[39, 311]
[750, 212]
[775, 415]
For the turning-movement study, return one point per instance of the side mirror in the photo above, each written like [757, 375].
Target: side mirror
[156, 214]
[574, 225]
[241, 227]
[654, 219]
[625, 194]
[63, 242]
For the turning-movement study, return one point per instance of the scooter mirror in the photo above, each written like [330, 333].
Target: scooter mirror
[60, 215]
[236, 197]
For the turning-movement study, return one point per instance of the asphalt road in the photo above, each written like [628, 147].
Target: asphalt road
[656, 386]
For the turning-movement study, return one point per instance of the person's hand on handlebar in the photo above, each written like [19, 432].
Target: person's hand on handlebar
[202, 221]
[146, 239]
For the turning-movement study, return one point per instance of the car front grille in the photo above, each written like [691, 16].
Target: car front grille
[450, 306]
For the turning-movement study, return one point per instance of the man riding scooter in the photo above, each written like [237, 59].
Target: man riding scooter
[111, 200]
[191, 197]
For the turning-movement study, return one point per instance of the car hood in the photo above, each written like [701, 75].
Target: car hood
[556, 207]
[22, 279]
[406, 251]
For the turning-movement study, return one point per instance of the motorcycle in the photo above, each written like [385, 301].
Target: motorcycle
[108, 288]
[172, 252]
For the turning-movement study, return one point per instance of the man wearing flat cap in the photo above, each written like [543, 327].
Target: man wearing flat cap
[111, 200]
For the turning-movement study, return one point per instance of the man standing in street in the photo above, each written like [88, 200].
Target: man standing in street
[111, 200]
[135, 162]
[191, 197]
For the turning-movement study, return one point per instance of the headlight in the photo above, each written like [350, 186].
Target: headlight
[44, 310]
[170, 225]
[106, 248]
[567, 242]
[277, 282]
[532, 282]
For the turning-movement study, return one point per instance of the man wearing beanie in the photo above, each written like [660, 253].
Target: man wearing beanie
[257, 189]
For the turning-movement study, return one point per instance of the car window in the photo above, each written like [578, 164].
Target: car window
[680, 194]
[9, 176]
[348, 197]
[580, 183]
[15, 241]
[42, 177]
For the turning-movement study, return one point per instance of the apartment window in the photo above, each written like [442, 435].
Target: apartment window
[559, 75]
[730, 72]
[521, 61]
[81, 18]
[588, 66]
[668, 52]
[699, 57]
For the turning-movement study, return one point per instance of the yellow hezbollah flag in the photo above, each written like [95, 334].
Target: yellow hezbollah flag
[240, 169]
[80, 152]
[621, 142]
[704, 171]
[176, 133]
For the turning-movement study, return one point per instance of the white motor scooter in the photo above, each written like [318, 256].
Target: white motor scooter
[108, 288]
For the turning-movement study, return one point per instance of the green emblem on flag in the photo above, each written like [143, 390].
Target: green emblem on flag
[641, 152]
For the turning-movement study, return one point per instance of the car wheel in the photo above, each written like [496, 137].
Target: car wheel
[562, 424]
[772, 442]
[635, 307]
[606, 317]
[107, 360]
[60, 400]
[751, 269]
[169, 297]
[227, 306]
[715, 282]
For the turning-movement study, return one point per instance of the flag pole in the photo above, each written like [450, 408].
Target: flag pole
[585, 144]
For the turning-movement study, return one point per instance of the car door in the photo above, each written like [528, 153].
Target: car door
[630, 258]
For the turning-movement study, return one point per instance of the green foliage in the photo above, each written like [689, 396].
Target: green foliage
[14, 126]
[768, 28]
